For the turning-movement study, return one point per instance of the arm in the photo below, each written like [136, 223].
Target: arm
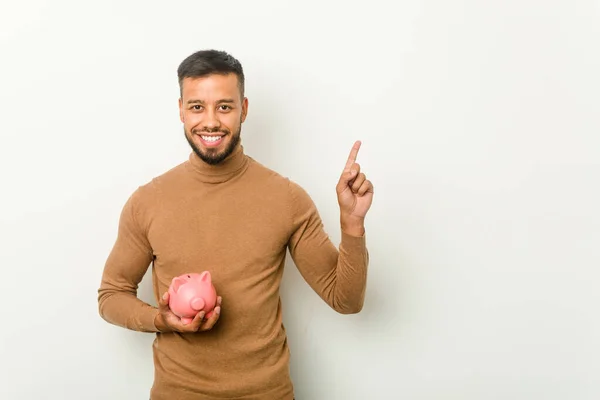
[338, 276]
[124, 269]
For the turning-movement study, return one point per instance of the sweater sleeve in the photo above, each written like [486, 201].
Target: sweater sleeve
[338, 276]
[124, 269]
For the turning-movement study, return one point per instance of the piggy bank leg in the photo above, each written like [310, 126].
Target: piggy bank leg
[186, 320]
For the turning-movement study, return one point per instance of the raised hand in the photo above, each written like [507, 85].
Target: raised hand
[354, 190]
[167, 321]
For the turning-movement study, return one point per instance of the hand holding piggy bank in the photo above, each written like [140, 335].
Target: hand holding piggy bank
[191, 293]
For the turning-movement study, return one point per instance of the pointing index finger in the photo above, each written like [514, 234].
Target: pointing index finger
[352, 156]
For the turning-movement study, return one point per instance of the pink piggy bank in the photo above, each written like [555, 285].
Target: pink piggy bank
[191, 293]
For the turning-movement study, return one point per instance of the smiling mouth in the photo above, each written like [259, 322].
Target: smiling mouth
[210, 140]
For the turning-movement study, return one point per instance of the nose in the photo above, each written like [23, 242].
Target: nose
[211, 121]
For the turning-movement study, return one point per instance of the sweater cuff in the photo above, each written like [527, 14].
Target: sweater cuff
[147, 320]
[351, 242]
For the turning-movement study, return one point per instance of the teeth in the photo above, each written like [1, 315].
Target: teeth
[211, 138]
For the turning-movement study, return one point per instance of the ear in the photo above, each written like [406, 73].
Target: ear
[205, 277]
[244, 108]
[176, 283]
[181, 110]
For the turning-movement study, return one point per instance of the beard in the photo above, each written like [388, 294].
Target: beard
[213, 156]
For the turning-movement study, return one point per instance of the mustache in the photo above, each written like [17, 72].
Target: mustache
[210, 130]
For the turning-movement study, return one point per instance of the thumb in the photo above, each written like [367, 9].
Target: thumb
[163, 302]
[345, 179]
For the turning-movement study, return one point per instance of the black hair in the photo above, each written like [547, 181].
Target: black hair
[208, 62]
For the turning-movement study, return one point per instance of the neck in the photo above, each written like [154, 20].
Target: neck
[232, 166]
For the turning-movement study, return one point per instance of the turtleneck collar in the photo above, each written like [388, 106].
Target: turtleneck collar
[235, 164]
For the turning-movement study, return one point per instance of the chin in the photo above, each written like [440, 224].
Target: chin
[215, 154]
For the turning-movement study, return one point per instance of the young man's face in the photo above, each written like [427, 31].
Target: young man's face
[212, 111]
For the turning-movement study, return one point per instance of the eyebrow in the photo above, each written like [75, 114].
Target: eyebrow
[218, 102]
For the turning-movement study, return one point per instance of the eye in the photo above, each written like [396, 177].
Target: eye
[225, 107]
[196, 107]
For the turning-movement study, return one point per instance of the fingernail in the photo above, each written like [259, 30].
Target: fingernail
[165, 296]
[218, 310]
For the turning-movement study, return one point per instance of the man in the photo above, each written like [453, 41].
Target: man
[223, 212]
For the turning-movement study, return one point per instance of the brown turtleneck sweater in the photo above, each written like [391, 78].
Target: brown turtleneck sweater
[236, 220]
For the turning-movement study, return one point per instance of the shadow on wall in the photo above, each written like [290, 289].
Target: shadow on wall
[387, 298]
[145, 289]
[310, 322]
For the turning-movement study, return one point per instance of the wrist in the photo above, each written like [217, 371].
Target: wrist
[159, 323]
[352, 225]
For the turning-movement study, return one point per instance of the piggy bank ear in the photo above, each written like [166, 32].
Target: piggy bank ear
[177, 282]
[205, 277]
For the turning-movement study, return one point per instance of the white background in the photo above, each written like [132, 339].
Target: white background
[480, 129]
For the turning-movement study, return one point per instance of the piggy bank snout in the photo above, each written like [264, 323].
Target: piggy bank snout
[198, 303]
